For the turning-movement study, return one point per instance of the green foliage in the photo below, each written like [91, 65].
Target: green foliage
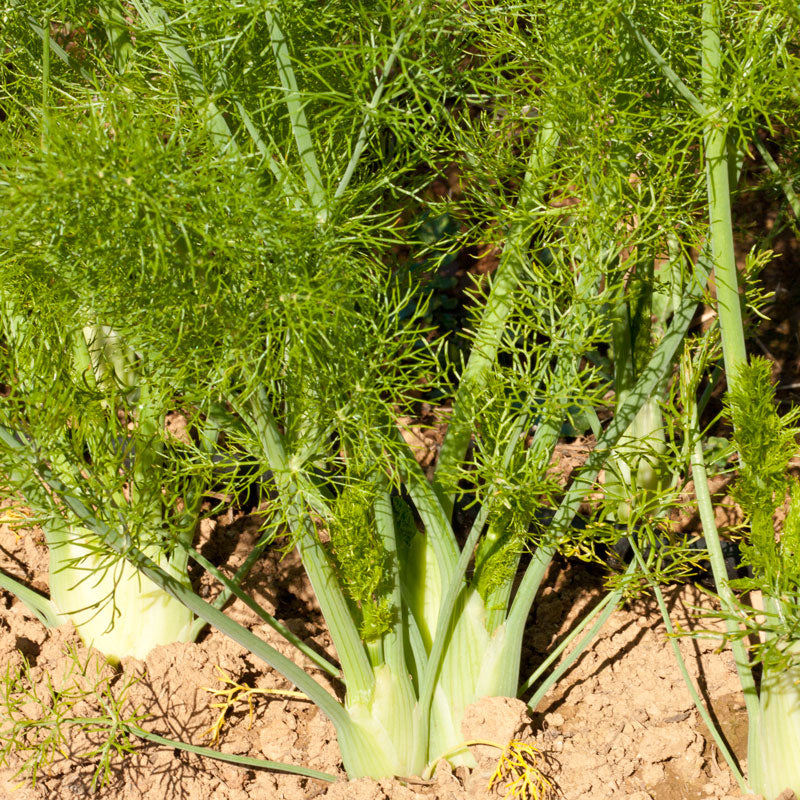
[790, 533]
[202, 205]
[43, 718]
[766, 442]
[362, 561]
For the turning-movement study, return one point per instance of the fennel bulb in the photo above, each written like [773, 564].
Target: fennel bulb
[114, 608]
[774, 738]
[386, 735]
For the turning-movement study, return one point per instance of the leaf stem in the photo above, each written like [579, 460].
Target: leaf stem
[719, 198]
[297, 116]
[245, 761]
[45, 83]
[231, 588]
[178, 54]
[358, 675]
[605, 608]
[361, 140]
[698, 703]
[37, 604]
[499, 306]
[705, 509]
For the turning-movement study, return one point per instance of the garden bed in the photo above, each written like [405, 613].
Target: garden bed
[620, 725]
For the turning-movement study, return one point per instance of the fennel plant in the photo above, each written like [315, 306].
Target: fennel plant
[737, 82]
[216, 189]
[86, 419]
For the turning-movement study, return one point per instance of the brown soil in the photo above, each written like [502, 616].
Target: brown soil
[621, 724]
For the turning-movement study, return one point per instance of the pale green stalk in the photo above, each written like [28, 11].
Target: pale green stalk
[297, 117]
[430, 674]
[456, 615]
[465, 620]
[269, 155]
[715, 141]
[393, 648]
[499, 306]
[150, 457]
[705, 509]
[722, 174]
[74, 551]
[729, 311]
[430, 505]
[392, 713]
[37, 604]
[356, 668]
[158, 20]
[719, 167]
